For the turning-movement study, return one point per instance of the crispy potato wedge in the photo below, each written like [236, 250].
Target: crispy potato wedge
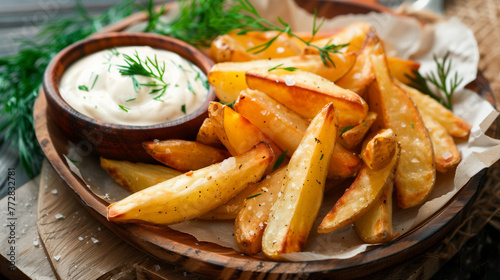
[416, 173]
[237, 133]
[293, 214]
[193, 194]
[400, 68]
[228, 78]
[306, 93]
[184, 155]
[456, 126]
[354, 34]
[375, 226]
[379, 148]
[445, 151]
[360, 196]
[361, 75]
[137, 176]
[252, 219]
[234, 47]
[350, 137]
[206, 135]
[287, 129]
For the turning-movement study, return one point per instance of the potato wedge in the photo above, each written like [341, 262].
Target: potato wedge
[445, 151]
[456, 126]
[354, 34]
[184, 155]
[379, 148]
[306, 93]
[293, 214]
[400, 68]
[137, 176]
[206, 135]
[228, 78]
[361, 75]
[237, 133]
[287, 129]
[252, 219]
[351, 136]
[194, 193]
[375, 226]
[234, 47]
[416, 173]
[360, 196]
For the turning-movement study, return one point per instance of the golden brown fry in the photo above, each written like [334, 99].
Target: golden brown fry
[445, 151]
[293, 214]
[194, 193]
[375, 226]
[455, 125]
[360, 196]
[228, 78]
[137, 176]
[416, 173]
[400, 69]
[287, 129]
[184, 155]
[379, 148]
[206, 135]
[351, 137]
[306, 93]
[252, 219]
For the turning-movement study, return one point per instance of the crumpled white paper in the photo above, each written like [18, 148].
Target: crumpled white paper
[406, 38]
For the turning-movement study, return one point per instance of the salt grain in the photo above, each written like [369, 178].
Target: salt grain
[289, 81]
[57, 257]
[280, 50]
[447, 155]
[54, 191]
[59, 216]
[80, 238]
[94, 240]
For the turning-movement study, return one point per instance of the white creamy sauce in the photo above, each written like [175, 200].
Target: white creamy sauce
[95, 87]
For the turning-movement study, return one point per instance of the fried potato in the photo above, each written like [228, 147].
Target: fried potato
[237, 133]
[379, 148]
[351, 136]
[375, 226]
[293, 214]
[234, 47]
[194, 193]
[228, 78]
[354, 34]
[445, 151]
[361, 75]
[137, 176]
[184, 155]
[287, 129]
[360, 196]
[306, 93]
[206, 135]
[252, 219]
[456, 126]
[400, 69]
[416, 173]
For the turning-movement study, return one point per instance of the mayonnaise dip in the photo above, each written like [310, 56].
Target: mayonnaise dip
[95, 87]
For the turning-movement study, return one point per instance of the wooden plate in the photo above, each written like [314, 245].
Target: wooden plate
[217, 261]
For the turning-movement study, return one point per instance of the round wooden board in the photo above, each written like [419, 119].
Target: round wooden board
[213, 260]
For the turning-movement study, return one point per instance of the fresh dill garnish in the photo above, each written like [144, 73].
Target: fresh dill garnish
[290, 69]
[183, 108]
[135, 83]
[95, 80]
[20, 80]
[147, 68]
[280, 160]
[255, 195]
[190, 88]
[130, 99]
[322, 155]
[83, 87]
[228, 104]
[412, 125]
[419, 82]
[124, 108]
[344, 130]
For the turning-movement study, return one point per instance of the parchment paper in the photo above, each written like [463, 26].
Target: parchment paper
[403, 37]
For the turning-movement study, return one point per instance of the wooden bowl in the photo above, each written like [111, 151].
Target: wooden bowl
[116, 141]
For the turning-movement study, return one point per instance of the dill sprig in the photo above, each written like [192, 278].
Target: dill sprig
[439, 80]
[21, 77]
[147, 68]
[279, 66]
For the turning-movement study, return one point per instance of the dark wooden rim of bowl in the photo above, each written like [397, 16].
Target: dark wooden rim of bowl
[74, 52]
